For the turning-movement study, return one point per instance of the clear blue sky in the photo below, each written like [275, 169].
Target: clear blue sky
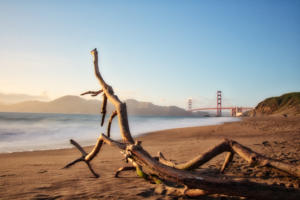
[158, 51]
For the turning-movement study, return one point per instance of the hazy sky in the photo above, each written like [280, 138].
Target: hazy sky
[159, 51]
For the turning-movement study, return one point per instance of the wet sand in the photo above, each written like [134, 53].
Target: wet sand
[38, 174]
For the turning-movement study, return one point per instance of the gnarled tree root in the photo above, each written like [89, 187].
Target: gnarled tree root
[179, 177]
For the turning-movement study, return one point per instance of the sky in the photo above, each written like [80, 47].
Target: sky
[159, 51]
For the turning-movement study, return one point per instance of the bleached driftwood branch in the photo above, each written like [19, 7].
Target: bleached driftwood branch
[233, 147]
[179, 179]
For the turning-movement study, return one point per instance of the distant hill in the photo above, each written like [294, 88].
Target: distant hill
[286, 104]
[78, 105]
[66, 104]
[17, 98]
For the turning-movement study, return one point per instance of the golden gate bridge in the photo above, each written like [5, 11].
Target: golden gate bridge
[235, 110]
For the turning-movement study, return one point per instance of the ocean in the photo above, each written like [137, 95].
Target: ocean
[41, 131]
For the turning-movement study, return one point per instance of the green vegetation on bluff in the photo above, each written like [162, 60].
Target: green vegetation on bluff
[286, 104]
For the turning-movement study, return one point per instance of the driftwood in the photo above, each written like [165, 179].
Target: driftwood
[180, 179]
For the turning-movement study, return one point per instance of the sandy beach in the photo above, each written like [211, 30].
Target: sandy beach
[38, 174]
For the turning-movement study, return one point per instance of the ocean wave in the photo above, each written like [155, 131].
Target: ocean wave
[32, 131]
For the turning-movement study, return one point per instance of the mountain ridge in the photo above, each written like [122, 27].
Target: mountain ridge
[70, 104]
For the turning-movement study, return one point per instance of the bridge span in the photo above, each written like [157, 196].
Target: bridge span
[236, 111]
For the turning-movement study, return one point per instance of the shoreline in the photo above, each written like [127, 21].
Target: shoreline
[51, 135]
[38, 174]
[137, 137]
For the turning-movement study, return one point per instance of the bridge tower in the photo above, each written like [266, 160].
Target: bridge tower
[219, 103]
[190, 104]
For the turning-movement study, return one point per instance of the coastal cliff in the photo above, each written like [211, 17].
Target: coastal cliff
[286, 105]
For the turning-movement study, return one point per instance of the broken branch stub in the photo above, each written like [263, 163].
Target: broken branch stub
[103, 109]
[163, 171]
[92, 93]
[112, 116]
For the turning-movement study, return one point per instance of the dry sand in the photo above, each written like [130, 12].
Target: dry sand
[38, 175]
